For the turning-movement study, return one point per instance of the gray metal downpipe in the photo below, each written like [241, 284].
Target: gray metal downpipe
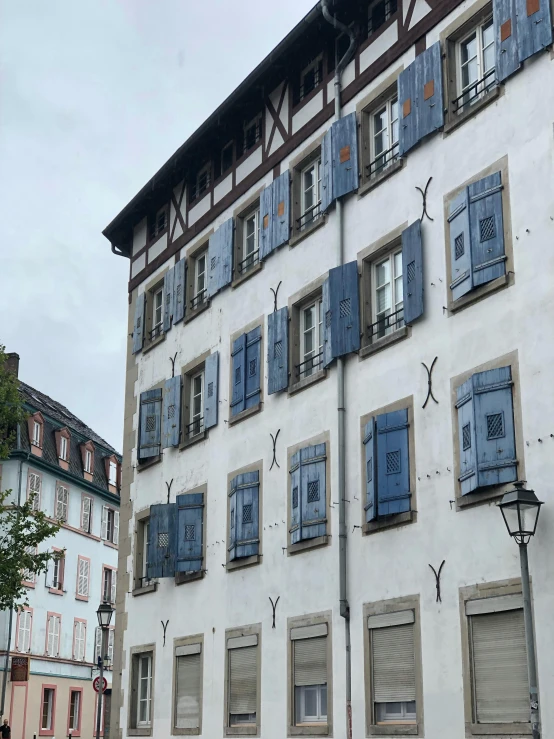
[341, 405]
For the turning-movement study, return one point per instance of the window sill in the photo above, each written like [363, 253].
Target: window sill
[193, 440]
[309, 730]
[301, 235]
[185, 732]
[183, 577]
[377, 179]
[241, 731]
[377, 346]
[82, 598]
[36, 450]
[394, 730]
[193, 312]
[244, 414]
[55, 591]
[486, 496]
[307, 381]
[145, 589]
[148, 345]
[146, 731]
[302, 546]
[456, 119]
[110, 544]
[479, 293]
[507, 730]
[239, 564]
[388, 522]
[141, 466]
[247, 275]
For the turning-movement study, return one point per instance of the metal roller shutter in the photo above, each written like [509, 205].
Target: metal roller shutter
[187, 692]
[242, 680]
[310, 661]
[393, 664]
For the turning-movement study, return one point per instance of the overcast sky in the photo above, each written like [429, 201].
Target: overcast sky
[95, 95]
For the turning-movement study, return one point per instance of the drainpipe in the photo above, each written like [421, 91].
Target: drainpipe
[343, 596]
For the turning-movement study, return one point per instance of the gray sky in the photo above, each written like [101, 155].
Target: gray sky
[95, 95]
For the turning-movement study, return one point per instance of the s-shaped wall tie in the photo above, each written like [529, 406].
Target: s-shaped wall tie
[274, 440]
[429, 382]
[424, 196]
[275, 293]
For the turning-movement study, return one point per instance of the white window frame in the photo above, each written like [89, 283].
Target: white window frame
[312, 210]
[142, 659]
[112, 479]
[196, 422]
[300, 700]
[200, 292]
[157, 309]
[35, 486]
[317, 332]
[80, 641]
[390, 140]
[24, 627]
[63, 448]
[394, 302]
[76, 713]
[88, 461]
[50, 710]
[250, 257]
[36, 433]
[473, 95]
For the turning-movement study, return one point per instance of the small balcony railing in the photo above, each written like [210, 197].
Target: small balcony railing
[246, 264]
[386, 325]
[199, 299]
[156, 331]
[309, 216]
[474, 92]
[384, 160]
[308, 366]
[195, 427]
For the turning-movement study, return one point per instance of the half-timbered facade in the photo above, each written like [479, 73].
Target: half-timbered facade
[294, 273]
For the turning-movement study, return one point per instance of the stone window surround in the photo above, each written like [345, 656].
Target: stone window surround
[134, 653]
[293, 622]
[296, 165]
[318, 541]
[393, 605]
[401, 518]
[139, 554]
[149, 289]
[187, 372]
[233, 633]
[192, 253]
[501, 165]
[494, 492]
[245, 209]
[255, 559]
[87, 446]
[186, 641]
[235, 335]
[38, 418]
[58, 434]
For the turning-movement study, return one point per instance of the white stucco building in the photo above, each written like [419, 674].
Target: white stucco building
[54, 641]
[273, 580]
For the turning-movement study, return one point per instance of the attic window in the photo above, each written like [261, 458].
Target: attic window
[227, 158]
[379, 13]
[252, 132]
[202, 184]
[158, 224]
[311, 77]
[88, 461]
[63, 448]
[113, 473]
[36, 433]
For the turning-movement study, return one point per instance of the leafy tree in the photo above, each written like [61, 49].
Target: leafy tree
[22, 529]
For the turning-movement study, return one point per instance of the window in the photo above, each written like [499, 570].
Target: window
[48, 705]
[83, 577]
[29, 576]
[141, 564]
[86, 514]
[74, 710]
[157, 313]
[79, 640]
[37, 428]
[158, 224]
[196, 425]
[246, 364]
[249, 250]
[387, 296]
[24, 624]
[383, 131]
[475, 65]
[308, 494]
[34, 488]
[244, 515]
[58, 568]
[142, 687]
[53, 623]
[109, 583]
[200, 284]
[63, 448]
[202, 182]
[227, 158]
[110, 525]
[309, 664]
[242, 676]
[311, 336]
[311, 194]
[62, 502]
[188, 686]
[379, 13]
[310, 78]
[252, 133]
[112, 478]
[88, 461]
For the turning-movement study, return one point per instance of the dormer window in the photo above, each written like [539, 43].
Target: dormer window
[158, 224]
[113, 473]
[379, 13]
[88, 461]
[63, 448]
[202, 183]
[63, 438]
[35, 426]
[112, 467]
[36, 433]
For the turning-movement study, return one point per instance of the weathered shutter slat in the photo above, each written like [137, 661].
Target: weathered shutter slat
[313, 492]
[327, 324]
[168, 299]
[534, 27]
[488, 258]
[278, 350]
[179, 291]
[407, 102]
[226, 242]
[247, 492]
[150, 425]
[253, 367]
[505, 38]
[393, 465]
[345, 155]
[233, 521]
[466, 437]
[104, 529]
[266, 222]
[190, 532]
[238, 380]
[138, 330]
[172, 412]
[161, 542]
[412, 272]
[243, 681]
[211, 390]
[281, 211]
[294, 472]
[115, 527]
[430, 105]
[370, 446]
[345, 309]
[310, 661]
[460, 245]
[327, 193]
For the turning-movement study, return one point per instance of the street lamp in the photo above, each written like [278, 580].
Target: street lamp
[104, 614]
[520, 509]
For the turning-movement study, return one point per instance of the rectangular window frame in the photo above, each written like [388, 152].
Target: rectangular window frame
[76, 651]
[242, 415]
[58, 574]
[63, 500]
[195, 641]
[26, 646]
[142, 583]
[158, 224]
[255, 559]
[311, 359]
[32, 478]
[49, 621]
[309, 295]
[79, 595]
[75, 726]
[236, 634]
[49, 730]
[304, 223]
[243, 265]
[153, 326]
[136, 727]
[197, 301]
[63, 448]
[380, 162]
[85, 526]
[112, 580]
[192, 428]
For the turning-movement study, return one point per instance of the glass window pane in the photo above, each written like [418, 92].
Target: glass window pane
[323, 701]
[383, 299]
[398, 264]
[310, 701]
[469, 49]
[382, 273]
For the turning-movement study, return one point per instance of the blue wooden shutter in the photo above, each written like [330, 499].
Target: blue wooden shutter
[171, 421]
[494, 427]
[233, 520]
[486, 229]
[294, 472]
[430, 105]
[393, 463]
[466, 437]
[505, 38]
[327, 194]
[412, 272]
[344, 304]
[280, 231]
[179, 291]
[190, 532]
[313, 494]
[238, 380]
[150, 425]
[161, 542]
[168, 299]
[138, 328]
[460, 245]
[278, 351]
[327, 324]
[220, 258]
[266, 222]
[246, 489]
[211, 390]
[370, 449]
[253, 367]
[407, 108]
[345, 155]
[534, 27]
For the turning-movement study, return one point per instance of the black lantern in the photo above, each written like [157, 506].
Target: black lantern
[520, 509]
[104, 613]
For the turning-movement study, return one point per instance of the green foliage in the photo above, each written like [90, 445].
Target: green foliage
[11, 408]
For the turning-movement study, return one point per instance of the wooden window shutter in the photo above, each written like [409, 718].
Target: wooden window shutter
[505, 36]
[310, 661]
[253, 370]
[430, 109]
[280, 211]
[327, 191]
[343, 310]
[266, 221]
[220, 258]
[115, 527]
[499, 662]
[238, 379]
[104, 530]
[97, 643]
[412, 272]
[534, 32]
[466, 437]
[232, 548]
[190, 532]
[246, 492]
[407, 96]
[150, 425]
[294, 471]
[313, 491]
[138, 329]
[211, 390]
[243, 668]
[393, 463]
[179, 291]
[171, 421]
[460, 245]
[162, 544]
[488, 258]
[370, 456]
[278, 351]
[188, 691]
[168, 299]
[345, 155]
[393, 663]
[327, 324]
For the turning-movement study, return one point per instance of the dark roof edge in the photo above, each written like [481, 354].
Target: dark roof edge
[225, 105]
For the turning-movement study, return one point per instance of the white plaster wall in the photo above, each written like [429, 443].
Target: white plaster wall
[378, 47]
[138, 265]
[199, 210]
[249, 165]
[139, 236]
[391, 563]
[157, 248]
[223, 188]
[306, 113]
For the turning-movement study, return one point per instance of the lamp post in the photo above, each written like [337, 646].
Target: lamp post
[104, 613]
[520, 509]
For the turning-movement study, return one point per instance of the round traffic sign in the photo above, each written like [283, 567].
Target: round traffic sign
[96, 684]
